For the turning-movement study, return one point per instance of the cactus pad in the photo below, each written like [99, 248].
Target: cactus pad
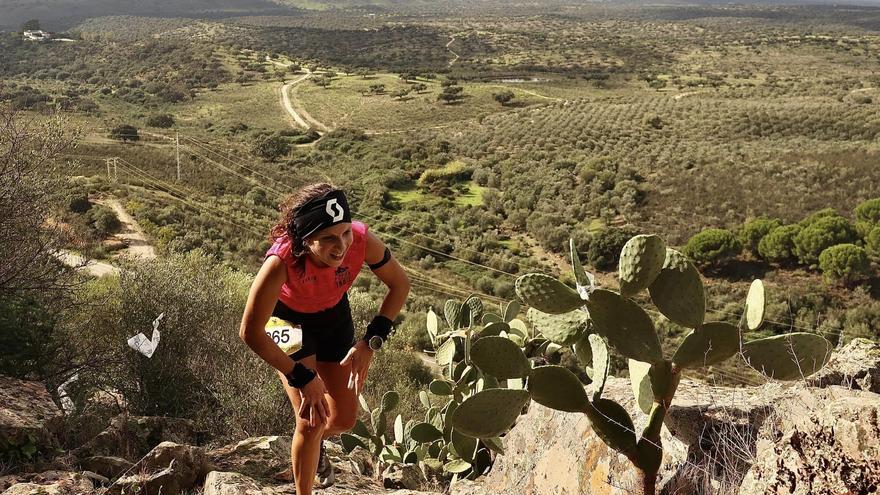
[601, 363]
[678, 291]
[641, 260]
[489, 413]
[490, 318]
[755, 304]
[452, 312]
[710, 344]
[583, 351]
[788, 357]
[641, 384]
[433, 324]
[558, 388]
[563, 329]
[510, 310]
[440, 387]
[613, 425]
[494, 328]
[476, 307]
[445, 353]
[499, 357]
[547, 294]
[624, 325]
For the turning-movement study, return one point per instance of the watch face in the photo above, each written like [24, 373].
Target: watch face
[375, 342]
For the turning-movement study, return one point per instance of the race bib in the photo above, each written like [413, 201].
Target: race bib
[285, 334]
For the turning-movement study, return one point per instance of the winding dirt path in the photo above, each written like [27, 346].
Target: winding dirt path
[137, 245]
[454, 55]
[288, 106]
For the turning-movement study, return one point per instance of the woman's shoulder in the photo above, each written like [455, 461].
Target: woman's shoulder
[280, 248]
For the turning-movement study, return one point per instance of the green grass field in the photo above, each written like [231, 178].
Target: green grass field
[347, 103]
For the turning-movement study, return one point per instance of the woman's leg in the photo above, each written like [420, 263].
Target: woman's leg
[305, 448]
[343, 400]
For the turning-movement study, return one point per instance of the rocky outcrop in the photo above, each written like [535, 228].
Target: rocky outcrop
[131, 437]
[51, 483]
[818, 442]
[169, 468]
[257, 457]
[856, 366]
[29, 419]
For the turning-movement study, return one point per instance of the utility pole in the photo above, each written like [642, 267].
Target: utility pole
[107, 161]
[115, 169]
[177, 150]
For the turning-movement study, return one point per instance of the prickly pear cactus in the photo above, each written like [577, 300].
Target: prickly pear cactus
[641, 260]
[788, 357]
[564, 329]
[678, 291]
[547, 294]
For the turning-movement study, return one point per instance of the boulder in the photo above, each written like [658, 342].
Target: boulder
[406, 476]
[553, 452]
[168, 469]
[131, 437]
[257, 457]
[361, 462]
[52, 483]
[223, 483]
[107, 466]
[94, 417]
[818, 442]
[29, 419]
[856, 365]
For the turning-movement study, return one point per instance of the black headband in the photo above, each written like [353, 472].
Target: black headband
[321, 212]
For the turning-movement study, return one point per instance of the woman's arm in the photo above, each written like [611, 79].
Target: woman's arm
[391, 274]
[261, 301]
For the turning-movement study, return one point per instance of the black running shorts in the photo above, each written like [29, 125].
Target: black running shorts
[327, 334]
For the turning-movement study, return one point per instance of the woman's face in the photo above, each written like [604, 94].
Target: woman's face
[328, 246]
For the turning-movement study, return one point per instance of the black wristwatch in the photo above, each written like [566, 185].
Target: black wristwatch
[375, 342]
[378, 331]
[300, 376]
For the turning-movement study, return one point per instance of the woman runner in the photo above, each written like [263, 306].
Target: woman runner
[317, 253]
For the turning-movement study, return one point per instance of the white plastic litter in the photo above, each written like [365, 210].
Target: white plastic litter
[66, 403]
[146, 346]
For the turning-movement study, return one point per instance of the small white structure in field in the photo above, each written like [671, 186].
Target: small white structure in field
[37, 35]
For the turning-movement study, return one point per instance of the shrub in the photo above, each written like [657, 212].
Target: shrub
[872, 241]
[845, 263]
[78, 202]
[778, 245]
[162, 121]
[712, 247]
[821, 234]
[271, 148]
[27, 338]
[605, 247]
[125, 133]
[103, 220]
[867, 216]
[753, 231]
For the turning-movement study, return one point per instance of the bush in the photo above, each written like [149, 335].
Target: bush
[271, 148]
[30, 349]
[125, 133]
[872, 241]
[78, 202]
[867, 216]
[844, 263]
[820, 235]
[753, 231]
[162, 121]
[103, 220]
[712, 247]
[778, 245]
[605, 246]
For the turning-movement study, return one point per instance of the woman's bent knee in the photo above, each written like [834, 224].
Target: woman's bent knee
[305, 429]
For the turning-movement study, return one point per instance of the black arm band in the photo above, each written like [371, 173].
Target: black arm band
[380, 327]
[300, 376]
[381, 263]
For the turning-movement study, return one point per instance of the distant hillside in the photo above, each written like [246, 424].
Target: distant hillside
[57, 15]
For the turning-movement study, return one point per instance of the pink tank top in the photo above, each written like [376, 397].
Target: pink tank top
[318, 288]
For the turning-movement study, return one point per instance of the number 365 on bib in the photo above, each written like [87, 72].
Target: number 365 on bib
[285, 334]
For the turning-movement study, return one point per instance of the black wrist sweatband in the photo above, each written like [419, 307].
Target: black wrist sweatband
[380, 327]
[300, 376]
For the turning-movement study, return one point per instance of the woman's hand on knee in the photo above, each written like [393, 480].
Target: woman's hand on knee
[359, 358]
[314, 407]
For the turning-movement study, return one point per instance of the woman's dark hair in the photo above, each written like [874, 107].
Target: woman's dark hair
[285, 225]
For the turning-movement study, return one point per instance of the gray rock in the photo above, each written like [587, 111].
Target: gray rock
[223, 483]
[856, 366]
[257, 457]
[405, 476]
[96, 478]
[108, 466]
[819, 442]
[131, 437]
[28, 414]
[361, 462]
[168, 469]
[53, 483]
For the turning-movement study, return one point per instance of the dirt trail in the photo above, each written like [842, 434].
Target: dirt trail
[79, 262]
[288, 105]
[454, 55]
[131, 233]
